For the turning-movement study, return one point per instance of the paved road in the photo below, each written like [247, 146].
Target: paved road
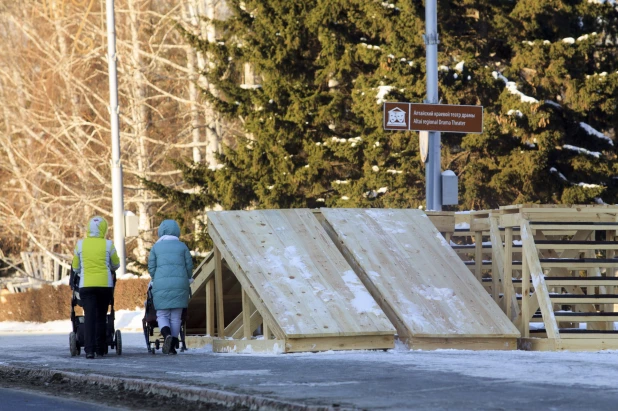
[397, 379]
[13, 400]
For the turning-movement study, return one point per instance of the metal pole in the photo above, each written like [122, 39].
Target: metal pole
[117, 195]
[433, 170]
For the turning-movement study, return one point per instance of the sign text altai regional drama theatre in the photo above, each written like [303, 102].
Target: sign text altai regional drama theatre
[433, 117]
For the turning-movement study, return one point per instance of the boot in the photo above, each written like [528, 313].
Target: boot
[165, 331]
[174, 345]
[167, 339]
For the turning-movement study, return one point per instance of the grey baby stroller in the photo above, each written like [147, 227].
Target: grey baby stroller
[77, 339]
[154, 339]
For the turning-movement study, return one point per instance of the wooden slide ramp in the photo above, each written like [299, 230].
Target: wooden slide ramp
[421, 284]
[295, 283]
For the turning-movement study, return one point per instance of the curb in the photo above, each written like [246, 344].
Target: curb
[170, 390]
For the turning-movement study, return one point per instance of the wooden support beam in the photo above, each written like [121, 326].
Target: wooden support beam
[203, 274]
[583, 299]
[573, 264]
[507, 285]
[581, 282]
[265, 330]
[585, 318]
[572, 226]
[462, 343]
[495, 281]
[499, 257]
[234, 326]
[610, 235]
[210, 307]
[478, 255]
[219, 293]
[531, 256]
[254, 322]
[247, 308]
[525, 293]
[377, 342]
[574, 245]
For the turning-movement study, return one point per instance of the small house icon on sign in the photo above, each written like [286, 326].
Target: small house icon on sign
[397, 118]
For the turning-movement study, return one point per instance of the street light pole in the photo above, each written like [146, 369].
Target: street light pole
[433, 186]
[116, 165]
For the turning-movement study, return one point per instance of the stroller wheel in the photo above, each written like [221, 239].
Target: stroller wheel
[73, 344]
[118, 342]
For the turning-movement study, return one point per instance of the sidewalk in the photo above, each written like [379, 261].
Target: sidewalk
[396, 379]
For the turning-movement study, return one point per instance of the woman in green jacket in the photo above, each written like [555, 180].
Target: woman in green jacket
[95, 260]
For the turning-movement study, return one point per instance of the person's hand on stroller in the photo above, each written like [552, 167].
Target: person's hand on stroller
[74, 280]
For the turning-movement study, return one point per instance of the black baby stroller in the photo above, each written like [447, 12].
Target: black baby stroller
[154, 339]
[76, 337]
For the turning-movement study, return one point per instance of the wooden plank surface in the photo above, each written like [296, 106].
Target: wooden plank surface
[365, 342]
[455, 343]
[420, 282]
[575, 344]
[576, 265]
[583, 299]
[581, 281]
[294, 275]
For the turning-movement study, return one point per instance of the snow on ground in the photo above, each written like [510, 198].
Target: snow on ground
[571, 369]
[126, 320]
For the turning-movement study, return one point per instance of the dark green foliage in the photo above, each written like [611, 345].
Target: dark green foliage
[313, 134]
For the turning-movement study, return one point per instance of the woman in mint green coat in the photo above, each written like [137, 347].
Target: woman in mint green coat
[171, 268]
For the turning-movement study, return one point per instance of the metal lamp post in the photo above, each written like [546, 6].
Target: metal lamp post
[432, 167]
[117, 188]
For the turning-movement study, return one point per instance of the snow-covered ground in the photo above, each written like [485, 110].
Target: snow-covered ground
[442, 379]
[505, 365]
[126, 320]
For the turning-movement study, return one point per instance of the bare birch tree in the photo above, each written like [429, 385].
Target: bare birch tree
[54, 131]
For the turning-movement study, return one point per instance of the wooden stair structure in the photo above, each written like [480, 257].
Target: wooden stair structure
[561, 258]
[417, 278]
[566, 253]
[568, 276]
[297, 291]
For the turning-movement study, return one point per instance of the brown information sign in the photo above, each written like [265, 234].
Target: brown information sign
[433, 117]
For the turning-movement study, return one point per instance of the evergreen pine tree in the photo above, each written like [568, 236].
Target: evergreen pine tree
[546, 72]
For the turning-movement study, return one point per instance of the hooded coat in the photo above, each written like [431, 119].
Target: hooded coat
[170, 267]
[95, 257]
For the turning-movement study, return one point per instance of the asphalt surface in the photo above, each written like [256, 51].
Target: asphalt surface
[396, 379]
[27, 400]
